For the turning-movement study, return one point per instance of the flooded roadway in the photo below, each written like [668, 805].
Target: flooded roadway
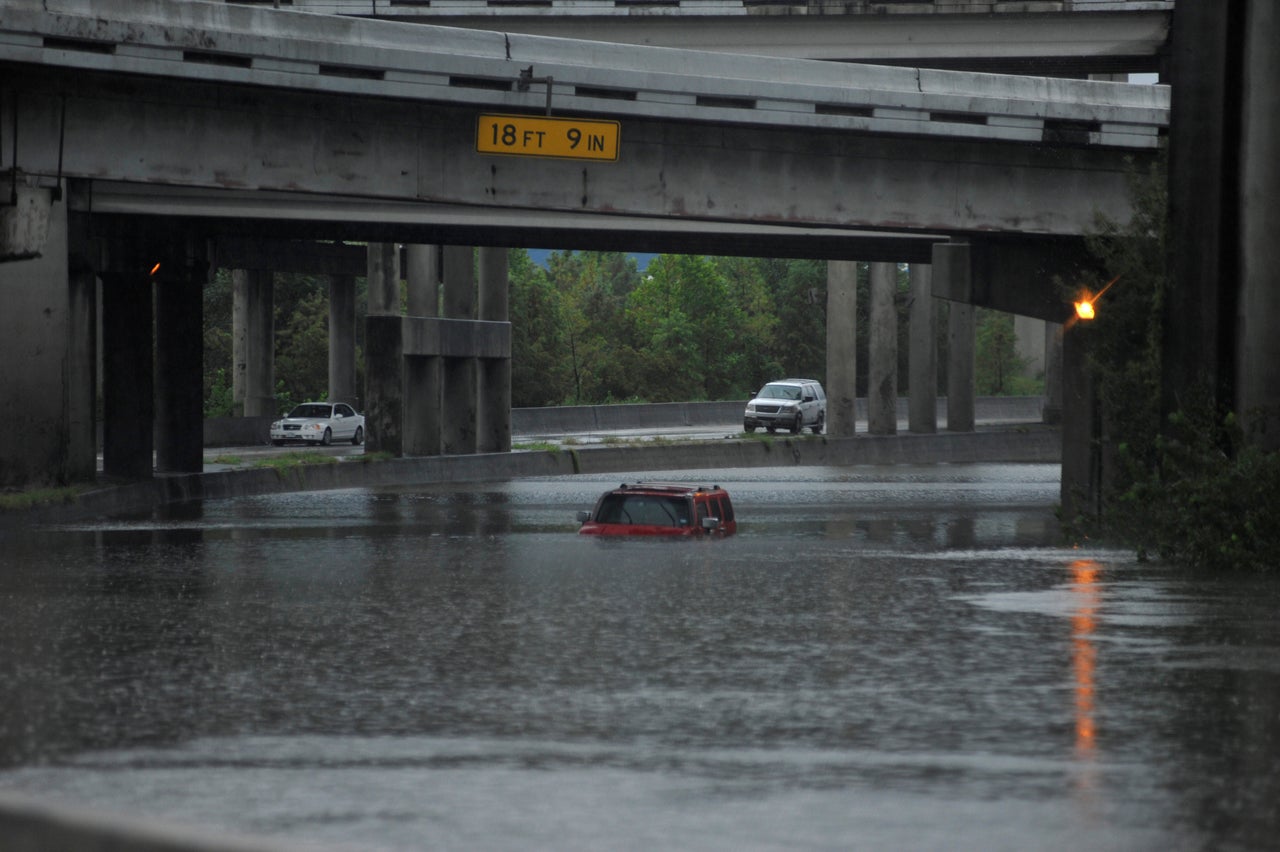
[883, 658]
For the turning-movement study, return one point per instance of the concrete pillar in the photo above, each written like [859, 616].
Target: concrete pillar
[27, 217]
[842, 349]
[128, 400]
[81, 462]
[384, 384]
[384, 353]
[260, 343]
[1052, 411]
[953, 276]
[1199, 316]
[1081, 484]
[422, 376]
[383, 279]
[179, 306]
[422, 280]
[342, 340]
[460, 382]
[494, 391]
[1258, 347]
[922, 393]
[961, 352]
[882, 373]
[47, 306]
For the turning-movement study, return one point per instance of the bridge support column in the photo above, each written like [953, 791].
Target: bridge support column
[1081, 485]
[342, 340]
[47, 330]
[882, 375]
[1258, 347]
[1052, 411]
[922, 393]
[423, 412]
[128, 368]
[81, 460]
[842, 349]
[953, 279]
[179, 312]
[961, 353]
[253, 341]
[494, 391]
[384, 353]
[460, 374]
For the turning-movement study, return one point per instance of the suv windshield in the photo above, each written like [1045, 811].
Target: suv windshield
[780, 392]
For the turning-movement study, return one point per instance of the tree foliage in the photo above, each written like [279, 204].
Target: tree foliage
[1188, 487]
[592, 328]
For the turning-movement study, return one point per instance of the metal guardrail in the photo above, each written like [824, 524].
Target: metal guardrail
[420, 62]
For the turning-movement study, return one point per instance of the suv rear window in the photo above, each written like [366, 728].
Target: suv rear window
[647, 509]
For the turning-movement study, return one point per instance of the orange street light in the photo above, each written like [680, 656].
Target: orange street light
[1085, 307]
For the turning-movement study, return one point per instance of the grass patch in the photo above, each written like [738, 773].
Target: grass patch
[230, 460]
[537, 445]
[15, 501]
[288, 461]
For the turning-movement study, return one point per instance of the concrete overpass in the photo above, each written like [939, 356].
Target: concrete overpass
[1072, 38]
[171, 123]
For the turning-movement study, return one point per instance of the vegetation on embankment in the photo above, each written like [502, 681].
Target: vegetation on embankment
[1188, 485]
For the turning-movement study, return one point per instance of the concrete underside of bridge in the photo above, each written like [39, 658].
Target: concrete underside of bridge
[186, 141]
[171, 164]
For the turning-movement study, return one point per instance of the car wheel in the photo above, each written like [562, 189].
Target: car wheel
[328, 438]
[771, 428]
[358, 438]
[278, 443]
[749, 428]
[817, 427]
[798, 425]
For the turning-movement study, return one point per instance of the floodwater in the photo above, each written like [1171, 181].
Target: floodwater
[883, 658]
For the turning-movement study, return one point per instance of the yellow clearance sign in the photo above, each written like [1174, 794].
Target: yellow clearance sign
[533, 136]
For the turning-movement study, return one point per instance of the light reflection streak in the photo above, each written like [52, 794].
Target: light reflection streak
[1086, 597]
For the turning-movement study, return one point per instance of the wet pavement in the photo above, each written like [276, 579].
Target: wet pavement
[883, 658]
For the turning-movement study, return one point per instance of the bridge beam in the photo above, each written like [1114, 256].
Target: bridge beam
[183, 134]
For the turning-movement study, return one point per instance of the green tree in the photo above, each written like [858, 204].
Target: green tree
[800, 302]
[593, 288]
[217, 346]
[999, 370]
[684, 317]
[1190, 487]
[753, 363]
[302, 350]
[540, 375]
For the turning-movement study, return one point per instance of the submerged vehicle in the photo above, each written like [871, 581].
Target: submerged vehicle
[662, 509]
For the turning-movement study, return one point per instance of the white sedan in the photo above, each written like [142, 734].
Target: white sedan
[319, 423]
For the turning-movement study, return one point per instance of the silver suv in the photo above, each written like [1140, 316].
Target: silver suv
[788, 404]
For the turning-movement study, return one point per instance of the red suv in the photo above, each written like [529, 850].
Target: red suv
[661, 508]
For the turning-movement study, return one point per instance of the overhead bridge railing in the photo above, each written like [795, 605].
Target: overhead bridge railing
[496, 8]
[255, 46]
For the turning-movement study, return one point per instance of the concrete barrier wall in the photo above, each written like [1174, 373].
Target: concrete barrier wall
[1031, 444]
[578, 419]
[31, 825]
